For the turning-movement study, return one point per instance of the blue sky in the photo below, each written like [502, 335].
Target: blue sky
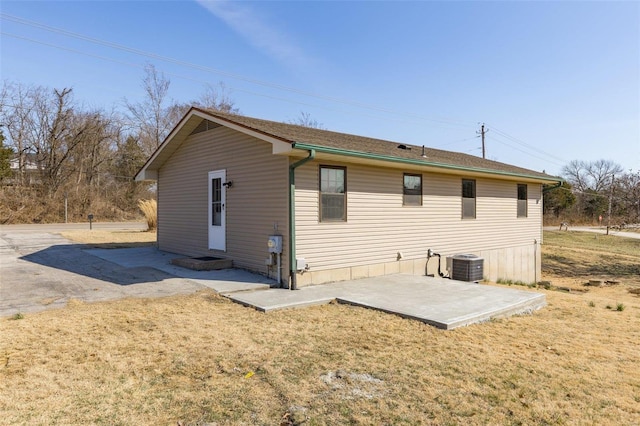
[552, 81]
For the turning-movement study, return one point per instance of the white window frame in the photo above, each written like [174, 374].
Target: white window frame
[327, 194]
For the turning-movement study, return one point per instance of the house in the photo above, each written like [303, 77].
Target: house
[342, 206]
[28, 174]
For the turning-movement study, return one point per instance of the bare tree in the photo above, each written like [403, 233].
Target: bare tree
[55, 137]
[305, 120]
[17, 115]
[575, 174]
[176, 111]
[5, 158]
[46, 125]
[214, 98]
[595, 175]
[601, 173]
[84, 156]
[592, 184]
[73, 150]
[628, 196]
[151, 117]
[95, 148]
[217, 98]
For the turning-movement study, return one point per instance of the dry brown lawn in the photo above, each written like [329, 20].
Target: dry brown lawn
[584, 255]
[111, 239]
[202, 359]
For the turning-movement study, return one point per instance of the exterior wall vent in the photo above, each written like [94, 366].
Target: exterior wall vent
[204, 126]
[467, 267]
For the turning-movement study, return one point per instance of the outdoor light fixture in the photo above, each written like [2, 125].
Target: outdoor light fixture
[228, 184]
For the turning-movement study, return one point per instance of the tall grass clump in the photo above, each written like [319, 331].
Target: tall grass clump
[150, 210]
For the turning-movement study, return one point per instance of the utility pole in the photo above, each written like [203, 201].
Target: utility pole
[482, 133]
[613, 177]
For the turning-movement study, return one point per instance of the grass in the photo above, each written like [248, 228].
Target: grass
[587, 255]
[112, 239]
[201, 359]
[590, 241]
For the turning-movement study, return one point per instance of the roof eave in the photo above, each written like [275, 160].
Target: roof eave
[424, 163]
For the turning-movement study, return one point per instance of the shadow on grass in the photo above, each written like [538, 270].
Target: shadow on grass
[605, 265]
[612, 266]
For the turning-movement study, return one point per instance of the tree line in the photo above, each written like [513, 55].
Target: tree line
[62, 160]
[595, 192]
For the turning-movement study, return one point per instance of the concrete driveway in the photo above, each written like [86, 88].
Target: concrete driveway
[41, 270]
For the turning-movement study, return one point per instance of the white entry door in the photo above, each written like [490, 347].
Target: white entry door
[217, 216]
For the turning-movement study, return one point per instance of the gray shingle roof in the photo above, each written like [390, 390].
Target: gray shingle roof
[292, 133]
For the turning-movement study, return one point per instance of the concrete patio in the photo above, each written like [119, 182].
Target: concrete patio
[440, 302]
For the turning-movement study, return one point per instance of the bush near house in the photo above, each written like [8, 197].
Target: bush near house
[150, 210]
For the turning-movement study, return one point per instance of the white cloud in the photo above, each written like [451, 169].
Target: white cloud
[246, 22]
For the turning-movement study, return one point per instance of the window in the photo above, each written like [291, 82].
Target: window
[522, 200]
[216, 202]
[333, 193]
[468, 199]
[412, 190]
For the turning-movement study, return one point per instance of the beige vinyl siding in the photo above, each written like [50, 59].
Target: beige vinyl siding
[255, 204]
[378, 226]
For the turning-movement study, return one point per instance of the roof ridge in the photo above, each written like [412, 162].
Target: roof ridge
[295, 133]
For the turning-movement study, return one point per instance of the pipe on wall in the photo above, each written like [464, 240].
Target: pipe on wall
[293, 263]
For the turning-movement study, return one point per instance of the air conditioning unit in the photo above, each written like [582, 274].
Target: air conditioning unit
[466, 267]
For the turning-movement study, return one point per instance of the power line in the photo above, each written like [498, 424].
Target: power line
[528, 149]
[528, 153]
[454, 142]
[526, 145]
[168, 59]
[155, 56]
[232, 88]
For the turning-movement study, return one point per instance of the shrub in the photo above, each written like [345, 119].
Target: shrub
[545, 284]
[150, 210]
